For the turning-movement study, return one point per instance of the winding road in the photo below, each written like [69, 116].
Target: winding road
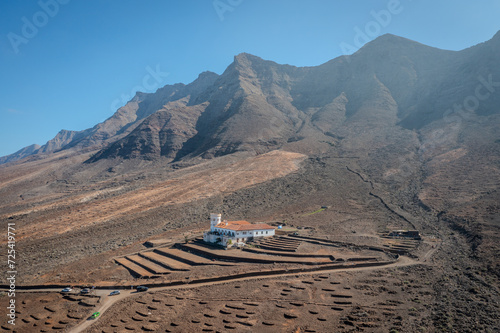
[108, 301]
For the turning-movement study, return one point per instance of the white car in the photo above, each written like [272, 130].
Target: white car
[66, 290]
[116, 292]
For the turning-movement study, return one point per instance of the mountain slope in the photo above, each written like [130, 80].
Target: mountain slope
[161, 134]
[258, 105]
[20, 154]
[139, 108]
[124, 120]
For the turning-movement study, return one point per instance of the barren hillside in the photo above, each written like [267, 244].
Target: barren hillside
[346, 151]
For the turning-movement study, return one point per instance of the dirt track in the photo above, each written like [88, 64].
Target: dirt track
[109, 301]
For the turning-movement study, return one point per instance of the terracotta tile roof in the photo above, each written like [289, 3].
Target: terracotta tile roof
[236, 222]
[243, 225]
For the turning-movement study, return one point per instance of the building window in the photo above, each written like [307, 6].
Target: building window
[266, 232]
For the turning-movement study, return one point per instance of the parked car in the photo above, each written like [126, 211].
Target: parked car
[95, 315]
[66, 290]
[142, 288]
[116, 292]
[85, 291]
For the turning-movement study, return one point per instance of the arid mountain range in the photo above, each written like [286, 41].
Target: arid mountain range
[397, 135]
[258, 105]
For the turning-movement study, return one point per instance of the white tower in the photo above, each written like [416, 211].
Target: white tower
[214, 220]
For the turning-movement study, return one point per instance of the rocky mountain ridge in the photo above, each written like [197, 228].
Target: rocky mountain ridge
[258, 105]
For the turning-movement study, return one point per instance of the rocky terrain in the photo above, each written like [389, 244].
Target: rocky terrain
[397, 136]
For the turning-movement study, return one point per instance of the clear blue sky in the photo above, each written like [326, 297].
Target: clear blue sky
[86, 57]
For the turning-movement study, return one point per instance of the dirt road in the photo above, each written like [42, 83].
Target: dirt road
[108, 301]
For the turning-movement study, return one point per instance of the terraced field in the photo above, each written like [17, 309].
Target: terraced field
[165, 261]
[400, 244]
[197, 254]
[278, 243]
[190, 258]
[149, 265]
[241, 256]
[135, 269]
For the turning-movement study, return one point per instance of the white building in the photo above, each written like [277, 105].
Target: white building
[229, 233]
